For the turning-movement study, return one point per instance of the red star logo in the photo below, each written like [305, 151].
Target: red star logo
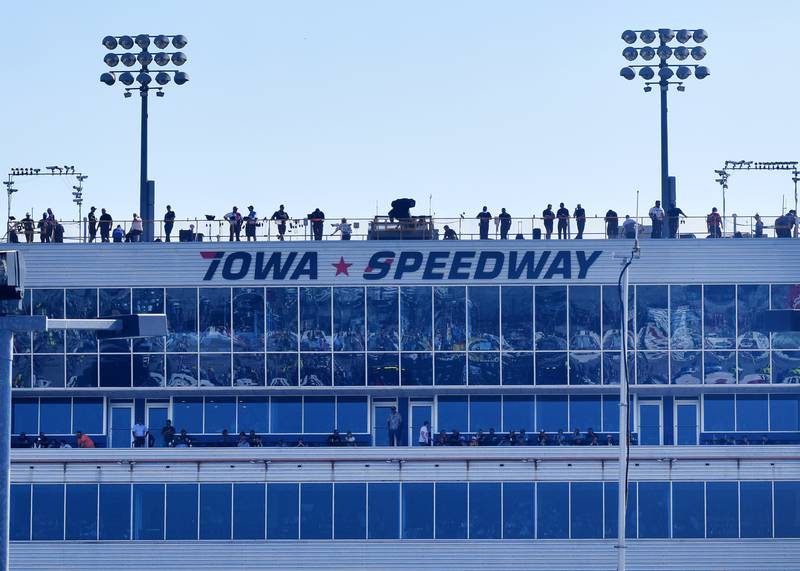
[341, 267]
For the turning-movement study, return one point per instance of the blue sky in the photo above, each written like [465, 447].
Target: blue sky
[343, 105]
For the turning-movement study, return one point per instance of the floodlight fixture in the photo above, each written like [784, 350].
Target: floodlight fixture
[646, 73]
[699, 35]
[161, 58]
[126, 42]
[701, 72]
[126, 78]
[127, 59]
[647, 53]
[110, 42]
[111, 60]
[179, 41]
[681, 53]
[665, 35]
[628, 36]
[144, 58]
[664, 52]
[683, 72]
[665, 73]
[143, 40]
[698, 53]
[179, 58]
[162, 78]
[144, 78]
[181, 77]
[647, 36]
[683, 36]
[626, 72]
[161, 41]
[108, 78]
[630, 53]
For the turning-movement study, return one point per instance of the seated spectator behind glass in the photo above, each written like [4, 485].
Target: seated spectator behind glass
[225, 438]
[349, 439]
[560, 437]
[24, 441]
[300, 443]
[577, 438]
[83, 440]
[41, 441]
[764, 439]
[454, 438]
[64, 444]
[542, 438]
[522, 438]
[510, 439]
[745, 440]
[243, 441]
[168, 433]
[335, 439]
[591, 437]
[441, 439]
[609, 440]
[477, 438]
[490, 438]
[255, 439]
[184, 440]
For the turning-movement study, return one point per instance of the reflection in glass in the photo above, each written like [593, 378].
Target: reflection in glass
[282, 370]
[348, 319]
[719, 367]
[787, 367]
[215, 319]
[584, 368]
[551, 317]
[517, 368]
[686, 303]
[281, 319]
[382, 319]
[584, 317]
[315, 319]
[48, 371]
[416, 318]
[181, 370]
[248, 319]
[517, 317]
[719, 316]
[248, 370]
[49, 302]
[687, 367]
[450, 369]
[148, 370]
[148, 300]
[22, 341]
[416, 369]
[315, 370]
[784, 296]
[81, 371]
[115, 370]
[652, 367]
[348, 369]
[181, 310]
[484, 368]
[652, 317]
[115, 302]
[754, 368]
[21, 372]
[449, 306]
[215, 370]
[253, 414]
[752, 302]
[551, 368]
[383, 369]
[81, 304]
[483, 318]
[612, 316]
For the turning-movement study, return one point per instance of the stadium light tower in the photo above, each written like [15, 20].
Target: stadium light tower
[144, 78]
[661, 73]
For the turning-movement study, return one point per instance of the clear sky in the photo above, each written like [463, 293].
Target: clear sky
[346, 104]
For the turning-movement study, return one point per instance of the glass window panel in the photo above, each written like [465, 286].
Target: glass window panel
[687, 367]
[352, 414]
[584, 368]
[215, 370]
[518, 510]
[784, 412]
[612, 316]
[148, 370]
[55, 416]
[181, 310]
[382, 319]
[755, 511]
[722, 510]
[517, 368]
[611, 520]
[187, 414]
[248, 319]
[115, 370]
[21, 376]
[182, 370]
[484, 368]
[249, 507]
[688, 519]
[450, 368]
[349, 369]
[248, 370]
[49, 302]
[148, 300]
[451, 510]
[215, 319]
[517, 317]
[220, 414]
[751, 412]
[316, 511]
[483, 321]
[48, 512]
[718, 413]
[417, 510]
[652, 367]
[281, 319]
[584, 413]
[719, 367]
[315, 370]
[81, 511]
[611, 360]
[253, 414]
[48, 371]
[114, 302]
[81, 371]
[181, 511]
[450, 323]
[315, 319]
[81, 304]
[686, 305]
[586, 510]
[787, 509]
[416, 318]
[610, 414]
[22, 341]
[653, 510]
[384, 511]
[215, 511]
[383, 369]
[452, 413]
[784, 296]
[416, 369]
[584, 317]
[786, 367]
[551, 413]
[484, 413]
[25, 416]
[551, 368]
[348, 319]
[20, 516]
[115, 512]
[652, 317]
[752, 302]
[484, 510]
[350, 511]
[518, 413]
[551, 317]
[319, 414]
[286, 413]
[719, 316]
[282, 370]
[87, 415]
[754, 367]
[552, 510]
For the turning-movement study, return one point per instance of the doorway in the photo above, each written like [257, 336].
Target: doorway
[157, 415]
[420, 412]
[686, 423]
[121, 425]
[650, 421]
[380, 415]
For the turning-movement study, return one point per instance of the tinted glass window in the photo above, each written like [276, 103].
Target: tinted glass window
[584, 413]
[382, 319]
[484, 368]
[253, 414]
[316, 511]
[584, 318]
[25, 416]
[148, 511]
[484, 510]
[452, 413]
[552, 510]
[215, 319]
[784, 411]
[450, 368]
[48, 512]
[754, 367]
[551, 318]
[584, 368]
[384, 511]
[519, 510]
[249, 506]
[182, 370]
[21, 371]
[416, 369]
[383, 369]
[220, 414]
[148, 300]
[281, 318]
[352, 414]
[611, 520]
[348, 319]
[283, 510]
[115, 511]
[81, 511]
[551, 368]
[755, 511]
[350, 511]
[248, 319]
[612, 316]
[719, 316]
[751, 412]
[115, 370]
[315, 319]
[82, 371]
[49, 302]
[719, 367]
[686, 305]
[484, 413]
[517, 368]
[687, 368]
[416, 318]
[181, 310]
[48, 371]
[786, 365]
[248, 370]
[551, 413]
[20, 512]
[517, 317]
[315, 370]
[81, 304]
[215, 511]
[654, 509]
[718, 413]
[787, 509]
[752, 302]
[286, 415]
[417, 511]
[610, 414]
[652, 367]
[687, 509]
[587, 510]
[518, 413]
[652, 317]
[483, 318]
[784, 296]
[722, 509]
[450, 323]
[451, 510]
[215, 370]
[187, 413]
[282, 370]
[319, 415]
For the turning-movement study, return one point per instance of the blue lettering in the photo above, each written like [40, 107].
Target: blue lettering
[215, 258]
[409, 262]
[273, 266]
[460, 261]
[481, 273]
[562, 264]
[307, 266]
[434, 264]
[378, 267]
[231, 273]
[527, 265]
[585, 263]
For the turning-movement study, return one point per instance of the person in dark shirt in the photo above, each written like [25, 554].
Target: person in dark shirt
[505, 224]
[169, 222]
[454, 438]
[577, 438]
[548, 216]
[280, 216]
[522, 438]
[317, 219]
[441, 439]
[542, 439]
[612, 224]
[580, 220]
[168, 433]
[105, 225]
[449, 233]
[250, 223]
[484, 216]
[58, 233]
[24, 441]
[563, 222]
[335, 439]
[44, 229]
[27, 227]
[92, 218]
[591, 437]
[714, 223]
[490, 438]
[673, 218]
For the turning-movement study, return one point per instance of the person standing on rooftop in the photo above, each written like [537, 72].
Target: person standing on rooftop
[484, 216]
[657, 216]
[580, 220]
[563, 222]
[548, 216]
[505, 224]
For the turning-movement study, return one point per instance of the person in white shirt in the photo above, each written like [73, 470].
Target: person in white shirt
[139, 434]
[136, 229]
[344, 228]
[251, 222]
[657, 216]
[629, 227]
[425, 434]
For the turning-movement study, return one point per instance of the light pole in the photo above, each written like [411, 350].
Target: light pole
[144, 78]
[665, 73]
